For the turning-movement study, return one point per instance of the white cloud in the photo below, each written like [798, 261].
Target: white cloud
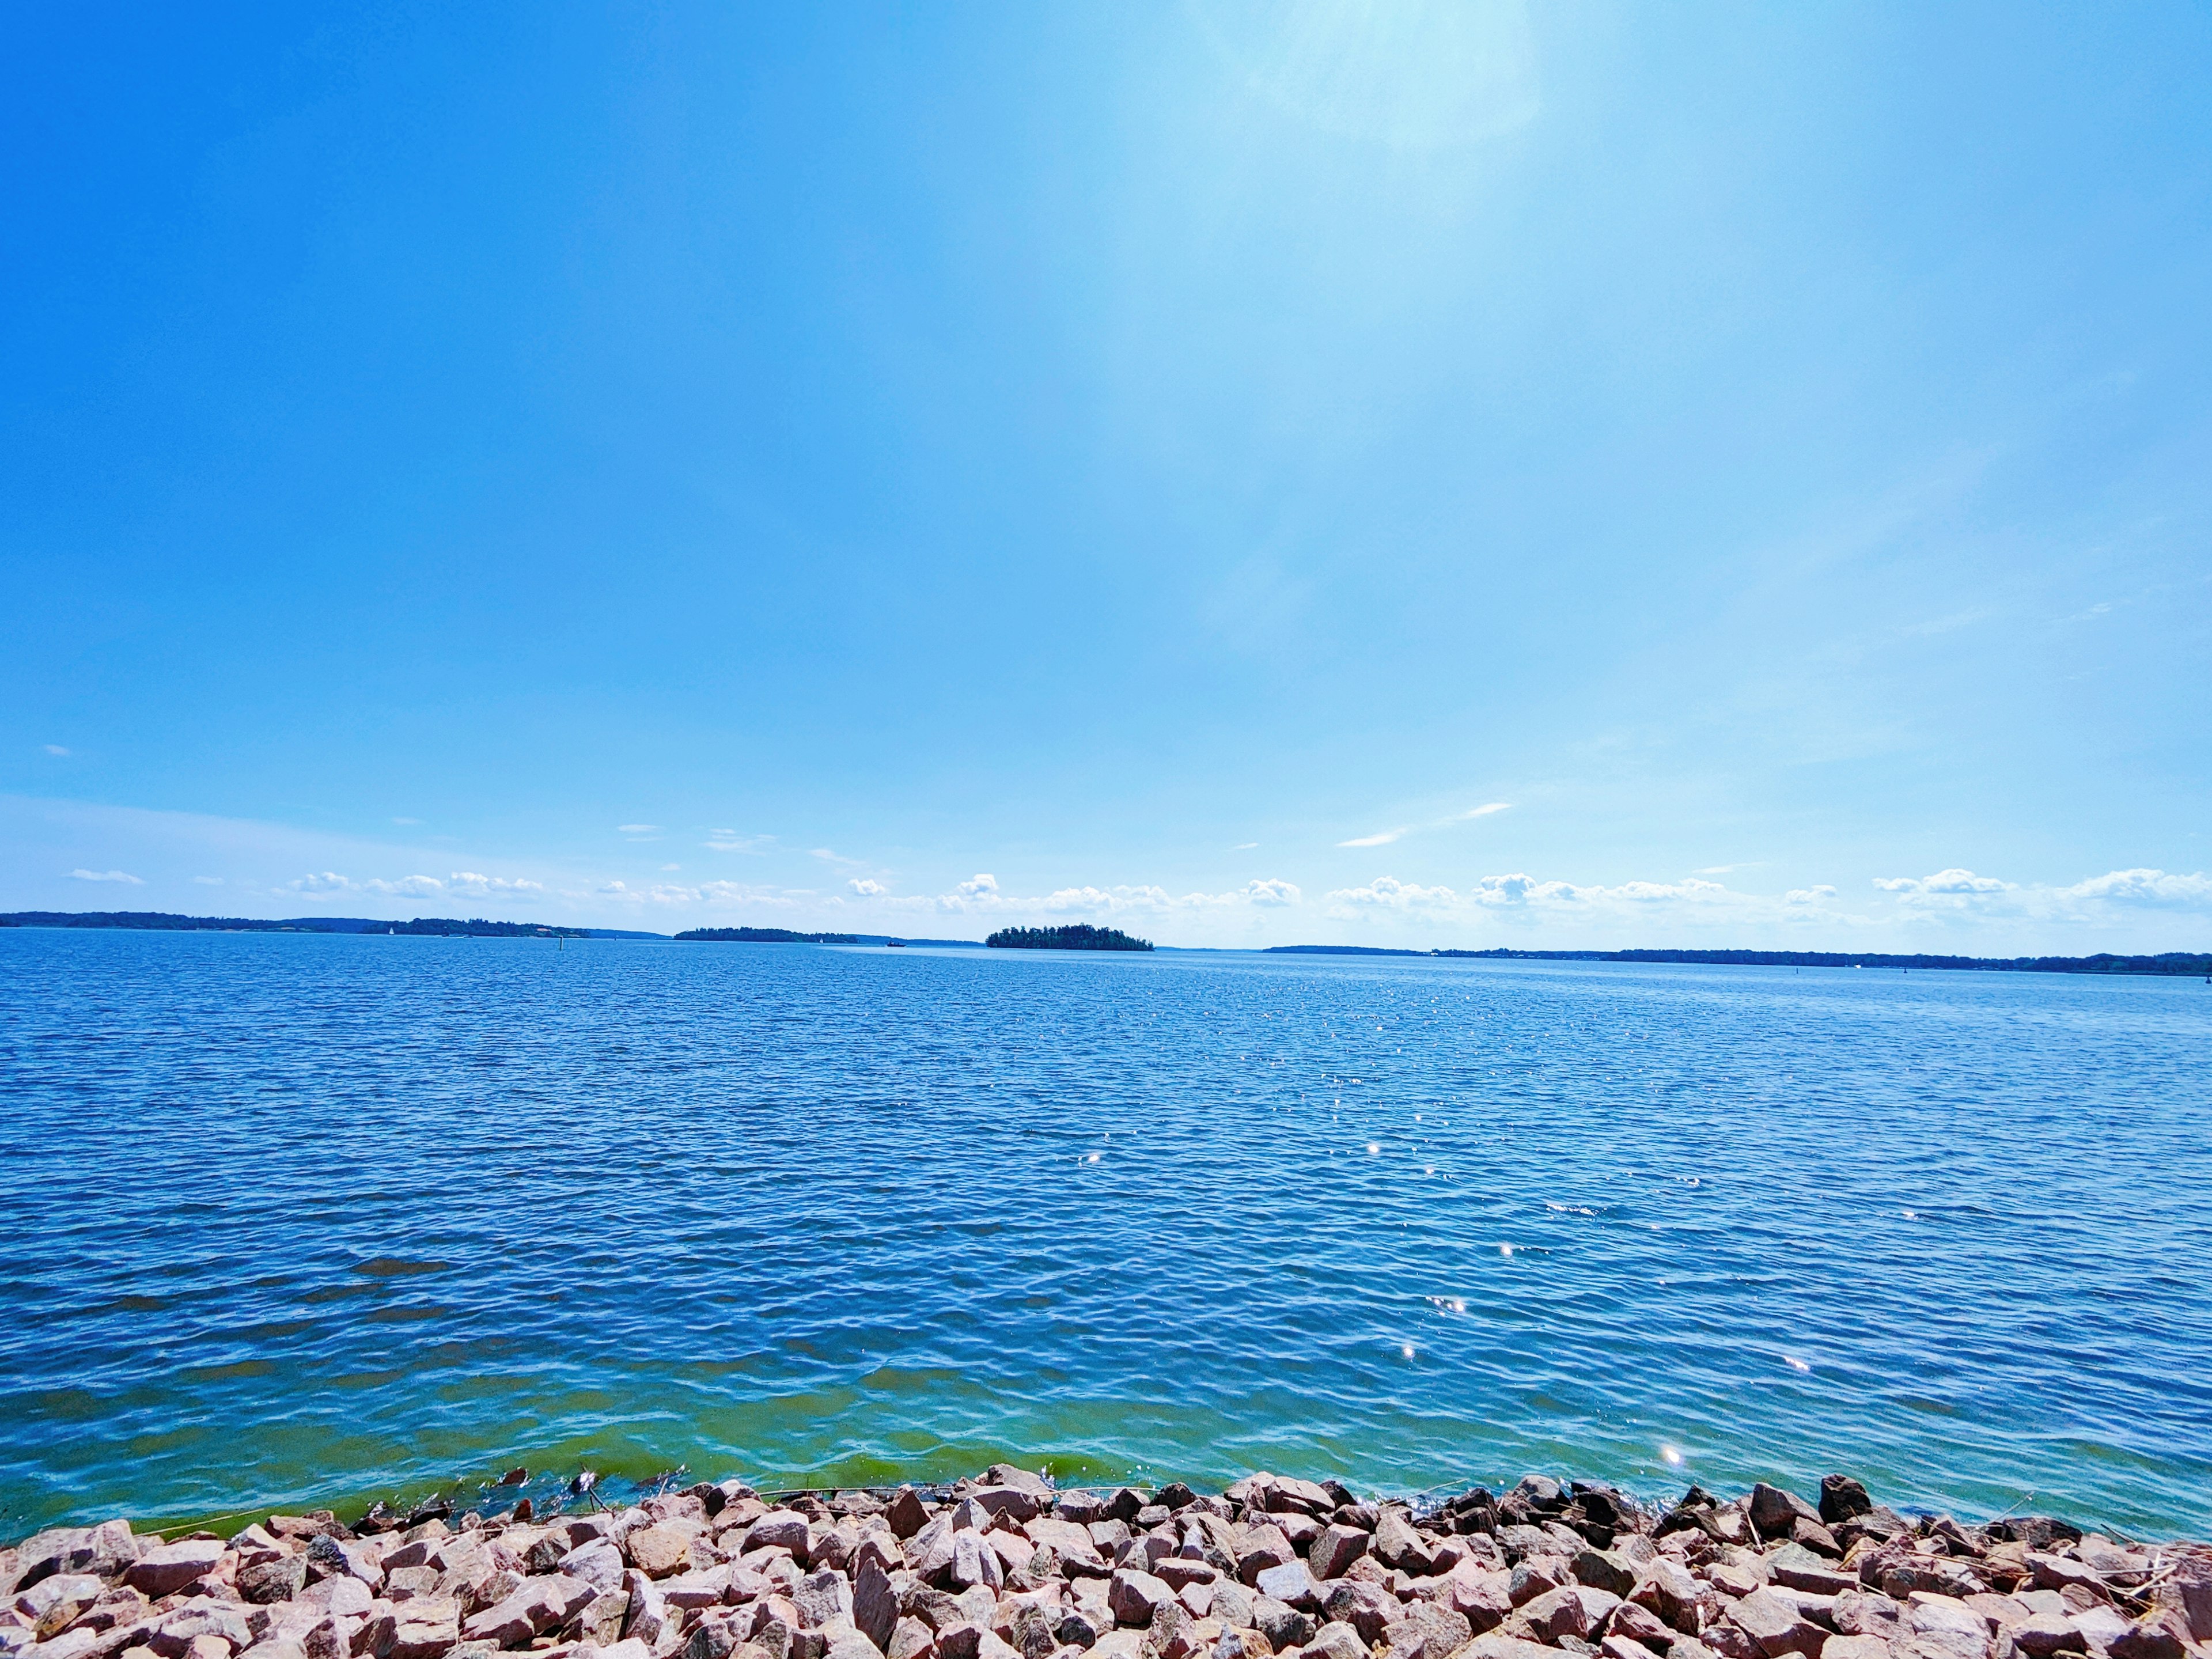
[863, 887]
[409, 822]
[1520, 891]
[124, 875]
[410, 887]
[2143, 887]
[469, 885]
[637, 829]
[1244, 847]
[208, 881]
[982, 893]
[829, 857]
[1818, 895]
[1385, 893]
[1485, 811]
[328, 882]
[56, 749]
[729, 840]
[1380, 838]
[1944, 883]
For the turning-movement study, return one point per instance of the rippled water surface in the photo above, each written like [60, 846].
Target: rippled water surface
[298, 1217]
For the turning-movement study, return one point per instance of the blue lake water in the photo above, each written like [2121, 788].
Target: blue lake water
[301, 1218]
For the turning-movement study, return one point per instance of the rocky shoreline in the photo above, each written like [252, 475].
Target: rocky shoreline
[1008, 1566]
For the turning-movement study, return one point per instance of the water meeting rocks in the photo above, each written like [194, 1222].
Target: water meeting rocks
[1007, 1566]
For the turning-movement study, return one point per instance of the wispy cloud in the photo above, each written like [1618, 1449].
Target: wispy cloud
[407, 823]
[638, 831]
[56, 749]
[1244, 847]
[208, 881]
[829, 857]
[107, 875]
[729, 840]
[1384, 837]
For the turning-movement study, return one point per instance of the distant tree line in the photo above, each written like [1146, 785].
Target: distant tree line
[2172, 961]
[767, 936]
[1077, 936]
[162, 921]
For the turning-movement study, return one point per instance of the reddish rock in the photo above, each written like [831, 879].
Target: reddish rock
[542, 1604]
[1773, 1622]
[167, 1568]
[1337, 1548]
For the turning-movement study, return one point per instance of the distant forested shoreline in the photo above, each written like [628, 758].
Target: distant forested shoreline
[1078, 936]
[2174, 963]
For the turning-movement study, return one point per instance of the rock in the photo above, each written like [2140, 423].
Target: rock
[1291, 1584]
[278, 1579]
[542, 1604]
[907, 1514]
[1801, 1569]
[1774, 1512]
[1395, 1544]
[1668, 1590]
[1009, 1501]
[875, 1604]
[1076, 1629]
[1497, 1645]
[1603, 1569]
[1483, 1599]
[1264, 1546]
[169, 1567]
[1367, 1608]
[1134, 1597]
[1283, 1625]
[1620, 1647]
[1337, 1548]
[2046, 1633]
[784, 1529]
[911, 1639]
[1947, 1625]
[1556, 1614]
[2160, 1634]
[1640, 1625]
[1336, 1640]
[1843, 1499]
[1773, 1622]
[664, 1549]
[1538, 1575]
[822, 1598]
[1426, 1632]
[598, 1563]
[1177, 1571]
[974, 1563]
[1855, 1647]
[604, 1615]
[1868, 1612]
[424, 1628]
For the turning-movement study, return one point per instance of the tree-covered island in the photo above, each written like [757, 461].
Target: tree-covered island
[1077, 936]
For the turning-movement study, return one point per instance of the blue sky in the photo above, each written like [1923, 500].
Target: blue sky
[1397, 474]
